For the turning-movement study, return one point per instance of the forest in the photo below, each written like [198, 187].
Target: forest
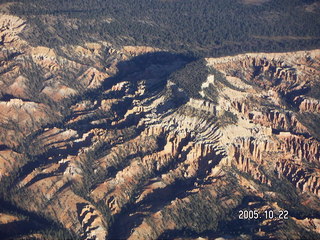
[194, 27]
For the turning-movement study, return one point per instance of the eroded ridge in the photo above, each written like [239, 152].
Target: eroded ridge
[95, 137]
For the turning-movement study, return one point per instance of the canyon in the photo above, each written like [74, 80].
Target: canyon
[101, 142]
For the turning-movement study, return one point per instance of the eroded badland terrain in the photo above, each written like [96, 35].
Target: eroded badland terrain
[99, 141]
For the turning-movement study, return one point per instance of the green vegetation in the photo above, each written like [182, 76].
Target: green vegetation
[29, 222]
[191, 77]
[312, 122]
[198, 216]
[211, 93]
[314, 91]
[227, 118]
[202, 27]
[194, 112]
[219, 78]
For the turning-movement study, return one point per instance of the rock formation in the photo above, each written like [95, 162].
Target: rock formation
[99, 140]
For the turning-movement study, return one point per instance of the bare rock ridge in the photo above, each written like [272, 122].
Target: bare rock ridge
[103, 142]
[303, 178]
[308, 105]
